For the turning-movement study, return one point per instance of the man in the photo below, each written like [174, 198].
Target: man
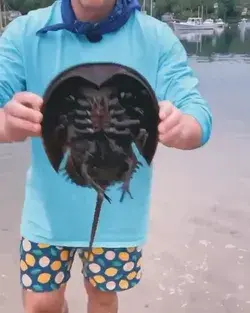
[57, 216]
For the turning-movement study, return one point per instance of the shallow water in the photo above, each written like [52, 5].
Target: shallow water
[229, 45]
[198, 255]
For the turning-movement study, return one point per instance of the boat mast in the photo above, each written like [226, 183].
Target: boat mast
[151, 7]
[143, 6]
[5, 14]
[1, 16]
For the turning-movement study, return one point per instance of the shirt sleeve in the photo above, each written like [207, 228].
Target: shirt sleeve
[176, 82]
[12, 73]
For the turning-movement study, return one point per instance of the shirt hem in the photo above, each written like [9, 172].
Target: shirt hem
[85, 244]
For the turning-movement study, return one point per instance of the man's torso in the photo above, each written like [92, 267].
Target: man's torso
[55, 211]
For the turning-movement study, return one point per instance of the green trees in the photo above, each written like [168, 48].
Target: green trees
[26, 5]
[181, 8]
[184, 8]
[227, 7]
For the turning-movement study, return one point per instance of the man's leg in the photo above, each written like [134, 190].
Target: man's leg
[108, 272]
[46, 302]
[100, 301]
[44, 273]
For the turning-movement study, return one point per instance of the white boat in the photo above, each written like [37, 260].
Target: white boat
[220, 24]
[193, 23]
[209, 21]
[196, 23]
[244, 23]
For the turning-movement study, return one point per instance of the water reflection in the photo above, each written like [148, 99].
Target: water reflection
[230, 44]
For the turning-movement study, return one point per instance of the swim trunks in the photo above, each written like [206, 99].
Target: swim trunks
[45, 268]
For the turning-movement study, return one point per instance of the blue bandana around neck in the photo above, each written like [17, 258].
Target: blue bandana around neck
[94, 31]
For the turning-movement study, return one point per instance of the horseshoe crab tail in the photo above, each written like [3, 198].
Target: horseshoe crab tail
[99, 201]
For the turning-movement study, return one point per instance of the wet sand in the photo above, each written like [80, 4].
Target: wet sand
[197, 259]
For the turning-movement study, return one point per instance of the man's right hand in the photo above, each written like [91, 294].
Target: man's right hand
[22, 117]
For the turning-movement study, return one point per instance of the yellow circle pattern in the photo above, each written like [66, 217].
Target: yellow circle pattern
[30, 260]
[124, 256]
[121, 274]
[91, 257]
[56, 265]
[123, 284]
[111, 272]
[43, 246]
[23, 266]
[64, 255]
[97, 251]
[44, 278]
[132, 275]
[99, 279]
[128, 268]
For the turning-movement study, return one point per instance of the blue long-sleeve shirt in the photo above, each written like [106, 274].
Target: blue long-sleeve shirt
[55, 211]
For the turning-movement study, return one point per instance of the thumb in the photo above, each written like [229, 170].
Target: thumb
[166, 108]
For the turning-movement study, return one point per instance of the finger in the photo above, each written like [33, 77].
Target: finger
[29, 99]
[19, 110]
[166, 108]
[171, 137]
[33, 129]
[170, 122]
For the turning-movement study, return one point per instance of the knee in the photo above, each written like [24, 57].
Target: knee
[49, 302]
[101, 298]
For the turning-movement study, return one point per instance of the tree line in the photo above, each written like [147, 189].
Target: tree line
[211, 8]
[181, 8]
[24, 6]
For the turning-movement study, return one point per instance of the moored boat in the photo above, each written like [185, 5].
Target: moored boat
[197, 23]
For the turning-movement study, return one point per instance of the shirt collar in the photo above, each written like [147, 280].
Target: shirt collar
[94, 31]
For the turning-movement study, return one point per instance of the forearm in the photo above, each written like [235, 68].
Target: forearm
[177, 83]
[198, 123]
[192, 134]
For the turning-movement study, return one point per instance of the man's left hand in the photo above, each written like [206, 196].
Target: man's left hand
[176, 129]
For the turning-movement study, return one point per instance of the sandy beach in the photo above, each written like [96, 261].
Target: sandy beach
[197, 258]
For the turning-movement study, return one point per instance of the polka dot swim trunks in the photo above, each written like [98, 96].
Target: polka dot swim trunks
[46, 268]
